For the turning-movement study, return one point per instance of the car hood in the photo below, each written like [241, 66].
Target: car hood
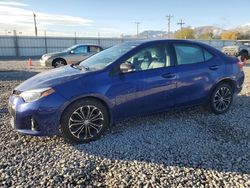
[53, 54]
[51, 78]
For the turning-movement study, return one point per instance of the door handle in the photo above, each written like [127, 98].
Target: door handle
[169, 75]
[214, 67]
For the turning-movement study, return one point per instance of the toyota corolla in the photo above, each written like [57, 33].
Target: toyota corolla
[134, 78]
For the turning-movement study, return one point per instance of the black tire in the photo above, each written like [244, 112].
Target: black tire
[70, 121]
[59, 62]
[244, 55]
[222, 95]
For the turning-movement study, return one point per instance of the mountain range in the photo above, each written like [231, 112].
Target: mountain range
[245, 29]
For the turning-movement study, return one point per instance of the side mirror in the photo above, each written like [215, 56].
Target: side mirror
[125, 67]
[72, 52]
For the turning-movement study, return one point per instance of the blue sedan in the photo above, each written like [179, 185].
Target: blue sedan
[130, 79]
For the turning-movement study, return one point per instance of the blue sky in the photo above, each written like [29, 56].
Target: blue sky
[116, 17]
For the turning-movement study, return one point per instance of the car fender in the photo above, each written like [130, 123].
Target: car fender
[96, 96]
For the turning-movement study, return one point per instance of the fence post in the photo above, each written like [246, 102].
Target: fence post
[223, 43]
[45, 40]
[16, 44]
[75, 38]
[99, 40]
[122, 40]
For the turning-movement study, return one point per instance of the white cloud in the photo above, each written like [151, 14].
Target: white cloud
[19, 18]
[12, 3]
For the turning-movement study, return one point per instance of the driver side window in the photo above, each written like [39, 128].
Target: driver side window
[80, 50]
[150, 58]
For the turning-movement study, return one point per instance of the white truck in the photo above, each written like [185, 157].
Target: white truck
[242, 48]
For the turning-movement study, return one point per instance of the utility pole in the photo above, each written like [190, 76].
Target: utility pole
[169, 23]
[181, 23]
[34, 15]
[137, 29]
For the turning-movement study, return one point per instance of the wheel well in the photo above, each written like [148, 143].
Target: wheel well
[244, 51]
[59, 58]
[229, 82]
[94, 98]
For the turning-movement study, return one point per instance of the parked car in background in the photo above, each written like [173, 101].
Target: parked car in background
[130, 79]
[71, 55]
[242, 48]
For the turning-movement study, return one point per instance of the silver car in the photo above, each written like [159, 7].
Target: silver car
[71, 55]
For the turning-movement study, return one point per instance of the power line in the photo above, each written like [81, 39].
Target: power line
[34, 15]
[181, 23]
[169, 23]
[137, 29]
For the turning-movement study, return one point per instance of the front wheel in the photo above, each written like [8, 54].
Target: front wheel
[59, 63]
[84, 121]
[221, 99]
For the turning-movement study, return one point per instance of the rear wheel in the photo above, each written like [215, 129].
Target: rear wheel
[84, 121]
[221, 98]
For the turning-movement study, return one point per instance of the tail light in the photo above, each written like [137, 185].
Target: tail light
[241, 64]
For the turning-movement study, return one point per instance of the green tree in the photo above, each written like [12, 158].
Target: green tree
[206, 36]
[185, 33]
[230, 35]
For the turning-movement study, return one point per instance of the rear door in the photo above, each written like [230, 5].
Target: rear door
[197, 70]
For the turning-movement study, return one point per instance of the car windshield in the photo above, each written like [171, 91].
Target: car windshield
[106, 57]
[70, 48]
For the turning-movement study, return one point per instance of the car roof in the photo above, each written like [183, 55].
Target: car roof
[186, 41]
[88, 45]
[138, 42]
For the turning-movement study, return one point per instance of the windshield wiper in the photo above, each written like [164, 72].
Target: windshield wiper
[80, 67]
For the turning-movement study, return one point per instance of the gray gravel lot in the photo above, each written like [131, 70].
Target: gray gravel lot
[189, 148]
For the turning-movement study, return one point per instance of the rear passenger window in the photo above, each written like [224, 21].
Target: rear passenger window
[94, 49]
[207, 55]
[188, 54]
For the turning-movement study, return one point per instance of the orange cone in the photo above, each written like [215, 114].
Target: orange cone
[30, 62]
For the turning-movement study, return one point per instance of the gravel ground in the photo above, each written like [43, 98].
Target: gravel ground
[189, 148]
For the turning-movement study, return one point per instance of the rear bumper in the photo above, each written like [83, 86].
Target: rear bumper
[240, 77]
[38, 118]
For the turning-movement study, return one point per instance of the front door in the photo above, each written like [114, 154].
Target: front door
[78, 54]
[149, 86]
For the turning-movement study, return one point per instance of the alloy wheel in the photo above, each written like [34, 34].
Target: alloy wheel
[86, 122]
[222, 99]
[59, 63]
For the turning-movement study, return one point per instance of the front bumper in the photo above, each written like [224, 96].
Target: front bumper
[45, 63]
[38, 118]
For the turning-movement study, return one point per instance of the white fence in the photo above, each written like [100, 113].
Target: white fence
[26, 46]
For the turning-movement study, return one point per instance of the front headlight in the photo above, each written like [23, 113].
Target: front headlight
[35, 94]
[45, 57]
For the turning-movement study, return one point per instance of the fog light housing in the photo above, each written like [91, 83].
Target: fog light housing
[34, 125]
